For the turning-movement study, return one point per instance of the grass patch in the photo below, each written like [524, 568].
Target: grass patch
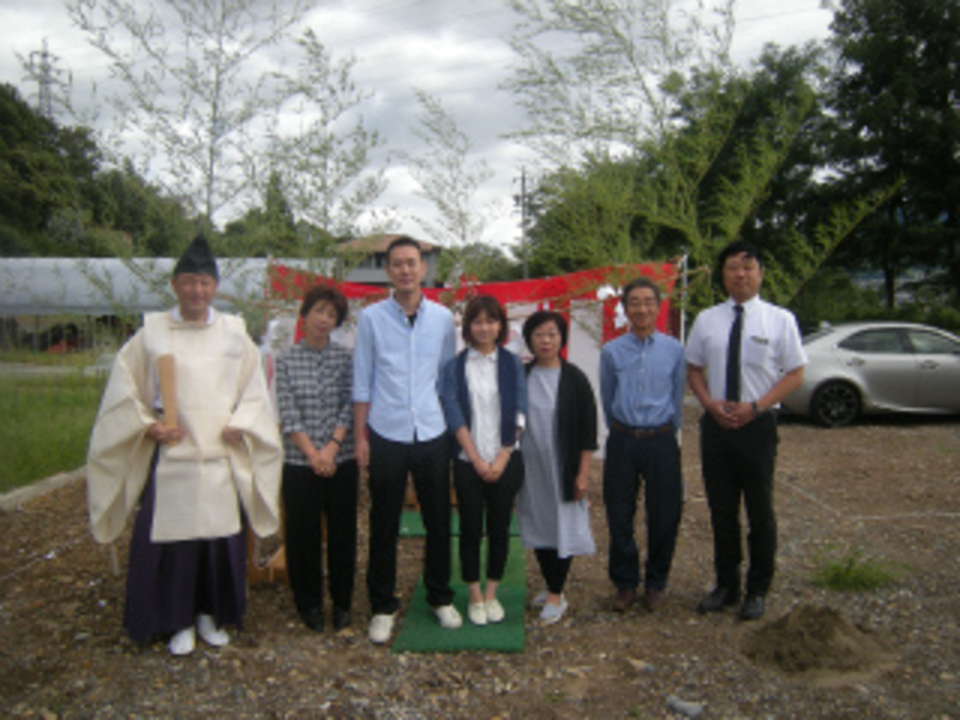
[852, 572]
[79, 359]
[45, 425]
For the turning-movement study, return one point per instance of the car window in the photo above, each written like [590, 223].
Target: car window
[885, 340]
[932, 343]
[817, 334]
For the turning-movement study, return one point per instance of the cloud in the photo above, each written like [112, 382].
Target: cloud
[452, 49]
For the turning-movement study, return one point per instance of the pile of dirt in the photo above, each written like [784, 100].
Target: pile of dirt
[813, 640]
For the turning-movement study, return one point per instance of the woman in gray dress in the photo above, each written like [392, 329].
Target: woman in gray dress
[558, 444]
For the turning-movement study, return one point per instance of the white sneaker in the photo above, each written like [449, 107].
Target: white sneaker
[448, 616]
[381, 628]
[495, 612]
[553, 613]
[211, 634]
[477, 612]
[541, 599]
[183, 642]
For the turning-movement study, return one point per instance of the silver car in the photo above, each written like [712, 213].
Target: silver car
[872, 367]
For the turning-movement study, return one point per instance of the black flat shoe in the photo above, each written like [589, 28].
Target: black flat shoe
[313, 618]
[753, 607]
[718, 600]
[341, 618]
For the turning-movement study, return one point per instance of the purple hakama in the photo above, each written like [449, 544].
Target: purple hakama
[170, 583]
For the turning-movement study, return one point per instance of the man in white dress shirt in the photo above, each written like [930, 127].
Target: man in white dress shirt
[743, 357]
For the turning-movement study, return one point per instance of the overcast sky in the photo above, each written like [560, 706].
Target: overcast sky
[453, 49]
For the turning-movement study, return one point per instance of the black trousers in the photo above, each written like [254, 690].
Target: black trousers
[309, 501]
[655, 459]
[390, 464]
[474, 495]
[554, 568]
[740, 464]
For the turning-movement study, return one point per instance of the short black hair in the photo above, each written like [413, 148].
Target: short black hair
[736, 248]
[640, 282]
[479, 305]
[541, 317]
[404, 241]
[325, 293]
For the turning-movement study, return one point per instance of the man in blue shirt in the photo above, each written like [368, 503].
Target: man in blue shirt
[642, 380]
[401, 344]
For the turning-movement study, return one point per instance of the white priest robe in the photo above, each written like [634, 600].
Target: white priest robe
[201, 481]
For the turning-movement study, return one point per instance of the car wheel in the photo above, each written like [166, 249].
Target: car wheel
[835, 404]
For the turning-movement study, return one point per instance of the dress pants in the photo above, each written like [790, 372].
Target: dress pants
[390, 464]
[309, 502]
[656, 459]
[740, 463]
[473, 496]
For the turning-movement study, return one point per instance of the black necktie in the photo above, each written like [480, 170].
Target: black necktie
[733, 356]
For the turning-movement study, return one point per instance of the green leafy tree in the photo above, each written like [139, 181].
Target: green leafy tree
[896, 99]
[267, 231]
[641, 83]
[480, 262]
[150, 223]
[586, 218]
[737, 159]
[44, 170]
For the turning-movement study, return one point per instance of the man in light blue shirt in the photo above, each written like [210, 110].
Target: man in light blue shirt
[401, 344]
[642, 380]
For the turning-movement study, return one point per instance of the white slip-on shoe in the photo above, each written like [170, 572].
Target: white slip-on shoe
[495, 612]
[553, 613]
[211, 634]
[183, 642]
[381, 628]
[477, 612]
[448, 616]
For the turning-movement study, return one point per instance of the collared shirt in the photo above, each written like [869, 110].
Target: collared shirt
[642, 381]
[481, 372]
[770, 347]
[396, 368]
[313, 395]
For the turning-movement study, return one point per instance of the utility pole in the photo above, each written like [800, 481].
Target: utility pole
[522, 201]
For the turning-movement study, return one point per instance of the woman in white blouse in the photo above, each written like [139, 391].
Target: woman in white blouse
[484, 397]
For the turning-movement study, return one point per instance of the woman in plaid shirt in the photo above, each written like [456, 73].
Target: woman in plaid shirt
[314, 381]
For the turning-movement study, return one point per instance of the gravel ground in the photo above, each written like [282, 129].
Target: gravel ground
[889, 489]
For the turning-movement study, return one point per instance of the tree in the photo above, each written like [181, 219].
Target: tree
[123, 201]
[591, 75]
[895, 96]
[43, 171]
[586, 218]
[203, 88]
[327, 171]
[270, 230]
[478, 261]
[451, 182]
[736, 160]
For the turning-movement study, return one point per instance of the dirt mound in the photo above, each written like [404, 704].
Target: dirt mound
[817, 639]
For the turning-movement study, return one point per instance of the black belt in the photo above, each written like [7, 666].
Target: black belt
[640, 432]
